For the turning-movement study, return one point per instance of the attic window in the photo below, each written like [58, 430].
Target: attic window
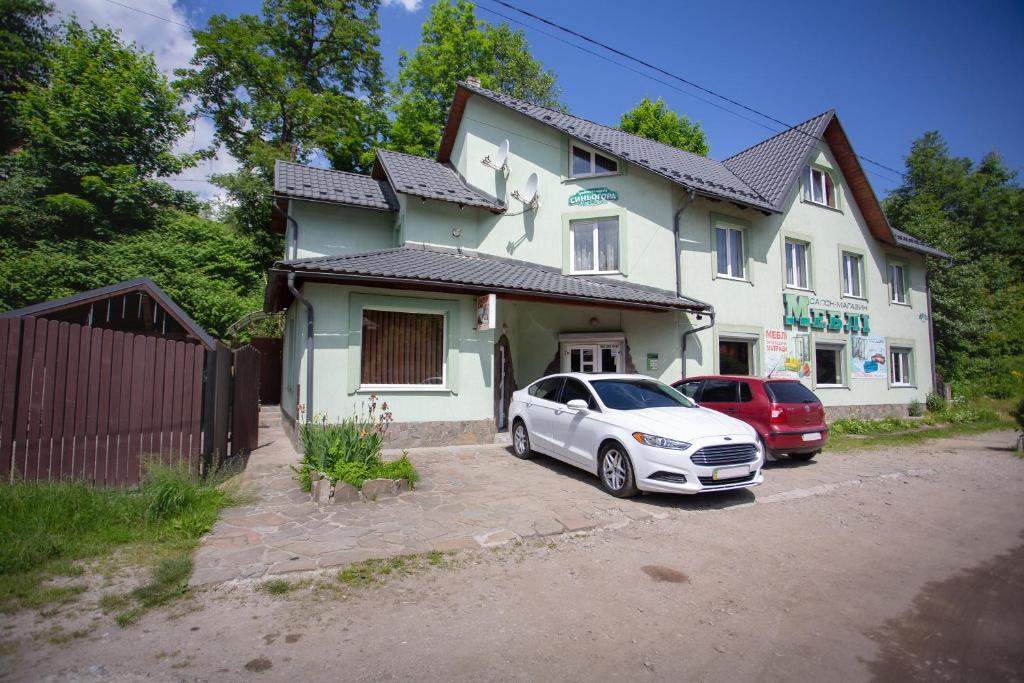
[818, 187]
[586, 162]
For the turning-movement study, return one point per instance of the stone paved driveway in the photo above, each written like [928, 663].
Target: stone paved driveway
[469, 497]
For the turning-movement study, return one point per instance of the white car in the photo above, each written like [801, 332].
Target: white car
[635, 433]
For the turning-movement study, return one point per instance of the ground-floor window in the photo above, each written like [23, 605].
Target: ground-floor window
[734, 357]
[402, 348]
[594, 358]
[900, 368]
[828, 364]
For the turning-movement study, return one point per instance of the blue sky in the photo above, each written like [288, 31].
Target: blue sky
[892, 70]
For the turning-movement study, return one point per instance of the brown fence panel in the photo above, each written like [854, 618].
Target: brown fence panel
[270, 368]
[245, 404]
[93, 405]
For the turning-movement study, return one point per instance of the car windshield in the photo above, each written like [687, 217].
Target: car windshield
[636, 394]
[789, 392]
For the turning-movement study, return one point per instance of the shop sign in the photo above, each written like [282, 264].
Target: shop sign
[598, 195]
[652, 361]
[787, 354]
[868, 355]
[486, 306]
[800, 311]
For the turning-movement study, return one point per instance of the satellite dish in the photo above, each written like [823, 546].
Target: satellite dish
[529, 194]
[498, 163]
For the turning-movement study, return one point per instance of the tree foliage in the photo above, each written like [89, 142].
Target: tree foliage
[304, 77]
[95, 134]
[655, 121]
[24, 38]
[975, 212]
[453, 46]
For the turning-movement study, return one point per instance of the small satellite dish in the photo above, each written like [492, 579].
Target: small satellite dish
[529, 194]
[500, 159]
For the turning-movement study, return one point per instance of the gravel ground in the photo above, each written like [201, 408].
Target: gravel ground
[903, 564]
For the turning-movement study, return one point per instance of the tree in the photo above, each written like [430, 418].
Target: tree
[975, 212]
[304, 78]
[655, 121]
[95, 134]
[24, 38]
[453, 46]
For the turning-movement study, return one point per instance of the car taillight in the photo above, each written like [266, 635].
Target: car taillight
[778, 415]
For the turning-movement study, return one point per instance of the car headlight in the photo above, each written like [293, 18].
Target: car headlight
[660, 441]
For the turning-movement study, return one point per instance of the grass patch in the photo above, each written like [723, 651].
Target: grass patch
[377, 571]
[846, 442]
[47, 529]
[280, 586]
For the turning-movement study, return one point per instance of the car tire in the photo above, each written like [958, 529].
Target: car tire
[802, 457]
[521, 440]
[769, 455]
[615, 471]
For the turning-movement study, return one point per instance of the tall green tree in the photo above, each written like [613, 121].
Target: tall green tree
[97, 136]
[975, 212]
[303, 78]
[455, 45]
[654, 120]
[24, 38]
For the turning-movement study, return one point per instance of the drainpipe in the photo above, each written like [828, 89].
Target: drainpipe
[309, 344]
[295, 227]
[695, 330]
[679, 283]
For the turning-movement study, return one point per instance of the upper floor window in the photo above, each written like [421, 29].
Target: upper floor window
[729, 248]
[818, 187]
[853, 274]
[797, 265]
[897, 283]
[594, 245]
[587, 162]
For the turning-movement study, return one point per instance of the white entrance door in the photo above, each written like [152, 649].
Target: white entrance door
[592, 357]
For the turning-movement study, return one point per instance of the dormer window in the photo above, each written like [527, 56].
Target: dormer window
[587, 162]
[818, 187]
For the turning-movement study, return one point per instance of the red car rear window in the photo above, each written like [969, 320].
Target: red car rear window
[789, 392]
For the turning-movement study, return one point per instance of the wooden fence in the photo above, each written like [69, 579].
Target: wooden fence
[91, 404]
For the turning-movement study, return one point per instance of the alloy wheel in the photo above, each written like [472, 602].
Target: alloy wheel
[519, 438]
[613, 469]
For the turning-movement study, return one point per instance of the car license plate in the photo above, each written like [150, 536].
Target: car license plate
[812, 436]
[731, 472]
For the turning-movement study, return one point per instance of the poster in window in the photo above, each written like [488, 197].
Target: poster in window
[786, 354]
[485, 310]
[868, 357]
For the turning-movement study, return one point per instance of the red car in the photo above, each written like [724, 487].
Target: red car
[787, 416]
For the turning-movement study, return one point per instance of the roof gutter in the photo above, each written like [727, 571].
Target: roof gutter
[309, 344]
[694, 330]
[679, 285]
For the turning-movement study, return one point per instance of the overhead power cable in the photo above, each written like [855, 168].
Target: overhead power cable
[681, 79]
[149, 14]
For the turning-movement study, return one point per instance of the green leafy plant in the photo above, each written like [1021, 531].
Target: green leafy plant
[915, 409]
[1017, 413]
[935, 402]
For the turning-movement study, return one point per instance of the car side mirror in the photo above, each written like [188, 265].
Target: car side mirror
[577, 404]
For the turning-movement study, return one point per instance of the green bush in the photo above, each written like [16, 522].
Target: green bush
[935, 402]
[915, 409]
[1018, 414]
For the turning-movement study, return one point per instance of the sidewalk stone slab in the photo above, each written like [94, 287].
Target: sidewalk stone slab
[470, 497]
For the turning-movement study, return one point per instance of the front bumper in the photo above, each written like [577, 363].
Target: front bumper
[649, 463]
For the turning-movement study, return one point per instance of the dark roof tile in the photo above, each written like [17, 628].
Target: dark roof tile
[327, 185]
[429, 179]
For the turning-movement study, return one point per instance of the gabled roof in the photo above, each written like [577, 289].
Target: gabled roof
[429, 179]
[773, 165]
[54, 308]
[447, 270]
[338, 187]
[704, 176]
[910, 242]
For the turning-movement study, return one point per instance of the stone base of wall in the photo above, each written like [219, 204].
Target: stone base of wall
[866, 412]
[291, 430]
[463, 433]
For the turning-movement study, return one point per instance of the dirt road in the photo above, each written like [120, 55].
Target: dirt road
[885, 565]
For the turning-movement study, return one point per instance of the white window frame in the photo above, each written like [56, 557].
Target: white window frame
[846, 258]
[814, 178]
[906, 366]
[596, 244]
[901, 296]
[804, 263]
[839, 349]
[442, 387]
[750, 343]
[729, 229]
[593, 162]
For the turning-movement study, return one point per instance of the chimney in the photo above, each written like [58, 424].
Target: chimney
[473, 81]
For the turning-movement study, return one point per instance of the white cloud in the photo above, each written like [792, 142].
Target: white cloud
[408, 5]
[172, 47]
